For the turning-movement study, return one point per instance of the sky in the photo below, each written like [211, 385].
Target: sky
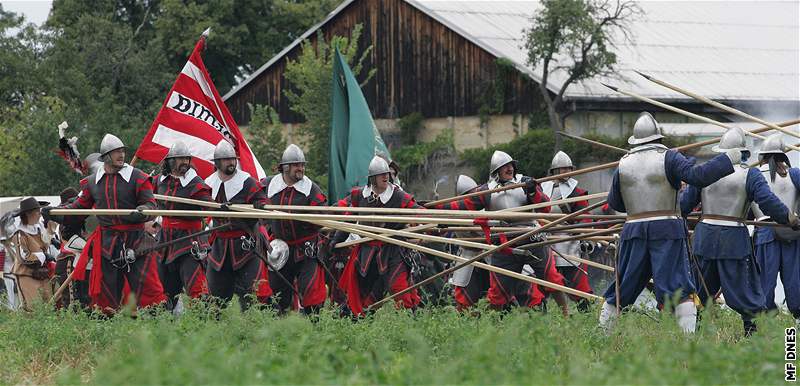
[35, 11]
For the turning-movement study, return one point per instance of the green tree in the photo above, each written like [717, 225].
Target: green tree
[265, 137]
[106, 66]
[575, 39]
[245, 33]
[310, 75]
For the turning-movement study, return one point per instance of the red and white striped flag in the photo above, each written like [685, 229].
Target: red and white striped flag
[195, 114]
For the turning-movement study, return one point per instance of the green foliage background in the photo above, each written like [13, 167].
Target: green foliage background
[106, 66]
[310, 75]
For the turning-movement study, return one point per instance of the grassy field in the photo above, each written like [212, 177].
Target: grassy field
[436, 346]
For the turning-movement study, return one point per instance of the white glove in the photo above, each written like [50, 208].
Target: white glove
[735, 156]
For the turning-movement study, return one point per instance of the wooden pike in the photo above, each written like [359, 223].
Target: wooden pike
[613, 229]
[261, 215]
[426, 212]
[588, 262]
[526, 207]
[483, 254]
[688, 114]
[592, 142]
[719, 105]
[353, 229]
[432, 238]
[530, 207]
[607, 165]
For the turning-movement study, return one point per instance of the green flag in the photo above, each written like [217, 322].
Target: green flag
[354, 137]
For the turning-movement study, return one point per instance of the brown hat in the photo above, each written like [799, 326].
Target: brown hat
[68, 193]
[29, 204]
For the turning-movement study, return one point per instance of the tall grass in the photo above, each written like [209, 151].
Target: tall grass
[435, 346]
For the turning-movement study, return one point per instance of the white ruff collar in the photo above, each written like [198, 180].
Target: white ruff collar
[185, 180]
[494, 182]
[385, 196]
[232, 186]
[125, 173]
[277, 184]
[34, 229]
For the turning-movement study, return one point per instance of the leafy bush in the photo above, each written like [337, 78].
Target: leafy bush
[435, 346]
[416, 160]
[410, 126]
[310, 92]
[266, 139]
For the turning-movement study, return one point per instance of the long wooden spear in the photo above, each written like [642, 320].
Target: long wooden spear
[613, 229]
[592, 142]
[526, 207]
[587, 262]
[352, 229]
[718, 105]
[522, 229]
[606, 165]
[426, 212]
[490, 252]
[687, 113]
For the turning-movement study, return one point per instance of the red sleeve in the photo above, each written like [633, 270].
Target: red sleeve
[539, 197]
[84, 200]
[408, 202]
[202, 192]
[257, 195]
[144, 190]
[316, 197]
[578, 205]
[466, 203]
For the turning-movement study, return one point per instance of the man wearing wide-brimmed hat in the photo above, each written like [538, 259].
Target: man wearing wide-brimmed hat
[29, 250]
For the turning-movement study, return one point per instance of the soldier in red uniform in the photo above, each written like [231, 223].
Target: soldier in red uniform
[180, 265]
[294, 251]
[376, 268]
[234, 266]
[114, 243]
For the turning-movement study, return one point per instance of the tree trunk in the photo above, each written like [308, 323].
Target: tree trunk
[555, 119]
[555, 124]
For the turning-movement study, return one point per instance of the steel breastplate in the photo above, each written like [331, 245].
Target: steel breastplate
[781, 187]
[643, 181]
[727, 197]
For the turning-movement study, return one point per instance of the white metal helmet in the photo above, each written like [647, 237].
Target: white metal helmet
[500, 158]
[178, 150]
[94, 167]
[772, 145]
[561, 160]
[464, 184]
[278, 254]
[646, 129]
[110, 143]
[90, 160]
[377, 166]
[733, 139]
[292, 155]
[224, 150]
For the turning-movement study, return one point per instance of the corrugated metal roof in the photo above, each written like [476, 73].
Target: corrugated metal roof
[722, 50]
[725, 50]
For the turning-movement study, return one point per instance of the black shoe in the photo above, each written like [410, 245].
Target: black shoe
[750, 328]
